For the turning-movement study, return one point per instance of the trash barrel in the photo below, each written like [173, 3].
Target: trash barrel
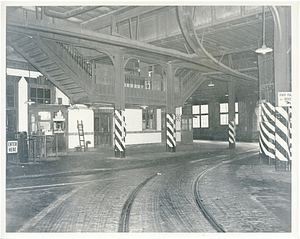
[22, 147]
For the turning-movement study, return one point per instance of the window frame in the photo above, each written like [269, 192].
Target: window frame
[147, 116]
[38, 99]
[226, 113]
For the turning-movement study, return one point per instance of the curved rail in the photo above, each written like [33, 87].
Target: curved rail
[197, 196]
[201, 206]
[124, 220]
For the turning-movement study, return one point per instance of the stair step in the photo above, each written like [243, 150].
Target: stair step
[36, 53]
[63, 79]
[47, 63]
[68, 84]
[57, 74]
[23, 42]
[52, 68]
[30, 47]
[41, 58]
[59, 70]
[73, 87]
[77, 92]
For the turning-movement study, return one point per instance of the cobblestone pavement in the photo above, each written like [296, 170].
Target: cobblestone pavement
[87, 191]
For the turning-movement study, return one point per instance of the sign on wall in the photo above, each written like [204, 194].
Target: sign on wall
[12, 147]
[284, 98]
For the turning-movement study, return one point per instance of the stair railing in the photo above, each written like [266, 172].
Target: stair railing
[72, 51]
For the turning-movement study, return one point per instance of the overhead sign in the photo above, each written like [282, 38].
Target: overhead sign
[12, 147]
[284, 98]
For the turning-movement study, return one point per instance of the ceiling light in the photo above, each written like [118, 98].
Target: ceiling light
[144, 106]
[29, 102]
[211, 84]
[264, 49]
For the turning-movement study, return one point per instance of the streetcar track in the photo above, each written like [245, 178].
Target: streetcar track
[201, 206]
[218, 227]
[124, 219]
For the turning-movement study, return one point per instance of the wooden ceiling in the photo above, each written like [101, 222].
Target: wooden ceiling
[229, 33]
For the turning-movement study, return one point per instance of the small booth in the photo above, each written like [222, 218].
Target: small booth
[47, 130]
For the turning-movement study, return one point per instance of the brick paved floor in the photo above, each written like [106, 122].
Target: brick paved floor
[243, 196]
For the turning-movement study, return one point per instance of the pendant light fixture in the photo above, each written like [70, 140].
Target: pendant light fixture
[264, 49]
[211, 84]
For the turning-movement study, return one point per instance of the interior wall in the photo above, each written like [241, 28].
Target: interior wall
[134, 128]
[220, 132]
[80, 112]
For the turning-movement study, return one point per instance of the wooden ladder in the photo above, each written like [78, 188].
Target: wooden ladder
[81, 136]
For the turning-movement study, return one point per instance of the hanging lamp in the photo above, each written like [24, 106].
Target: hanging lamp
[211, 84]
[264, 49]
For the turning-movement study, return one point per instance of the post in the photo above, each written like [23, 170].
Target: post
[170, 111]
[56, 145]
[119, 119]
[282, 63]
[231, 114]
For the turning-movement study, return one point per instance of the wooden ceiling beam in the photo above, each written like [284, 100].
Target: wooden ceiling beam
[54, 32]
[121, 15]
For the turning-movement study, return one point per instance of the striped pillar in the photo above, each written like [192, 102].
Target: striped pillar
[282, 138]
[231, 137]
[171, 133]
[267, 130]
[290, 131]
[120, 133]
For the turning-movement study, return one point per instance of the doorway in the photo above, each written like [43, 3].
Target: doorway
[102, 129]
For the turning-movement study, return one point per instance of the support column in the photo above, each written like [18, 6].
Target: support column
[282, 63]
[231, 114]
[120, 133]
[119, 119]
[170, 111]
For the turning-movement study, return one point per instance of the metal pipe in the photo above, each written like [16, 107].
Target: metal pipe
[188, 30]
[72, 13]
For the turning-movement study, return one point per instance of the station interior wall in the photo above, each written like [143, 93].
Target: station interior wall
[80, 113]
[134, 128]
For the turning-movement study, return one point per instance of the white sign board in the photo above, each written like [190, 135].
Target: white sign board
[284, 98]
[12, 147]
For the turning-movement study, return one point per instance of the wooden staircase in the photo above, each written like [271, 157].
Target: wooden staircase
[191, 80]
[55, 63]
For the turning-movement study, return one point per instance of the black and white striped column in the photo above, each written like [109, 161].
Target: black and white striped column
[171, 133]
[282, 138]
[120, 133]
[267, 130]
[231, 137]
[290, 131]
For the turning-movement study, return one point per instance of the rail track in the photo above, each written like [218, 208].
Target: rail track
[197, 197]
[124, 219]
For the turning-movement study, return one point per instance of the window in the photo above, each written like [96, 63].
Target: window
[196, 118]
[149, 119]
[224, 113]
[204, 116]
[40, 95]
[10, 95]
[201, 118]
[236, 109]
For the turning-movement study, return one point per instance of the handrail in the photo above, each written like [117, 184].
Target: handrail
[86, 66]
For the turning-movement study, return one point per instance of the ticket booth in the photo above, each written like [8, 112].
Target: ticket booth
[48, 128]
